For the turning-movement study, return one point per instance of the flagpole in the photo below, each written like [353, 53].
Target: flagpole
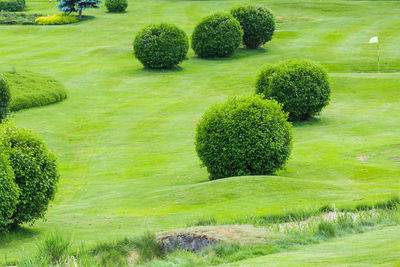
[377, 45]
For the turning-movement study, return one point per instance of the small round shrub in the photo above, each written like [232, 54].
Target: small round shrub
[5, 98]
[160, 46]
[217, 35]
[9, 191]
[244, 136]
[300, 85]
[35, 171]
[116, 5]
[258, 24]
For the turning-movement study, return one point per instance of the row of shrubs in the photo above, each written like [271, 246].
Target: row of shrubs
[28, 171]
[251, 135]
[12, 18]
[31, 19]
[57, 19]
[12, 5]
[219, 35]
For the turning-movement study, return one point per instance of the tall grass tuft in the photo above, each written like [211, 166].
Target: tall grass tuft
[148, 247]
[55, 249]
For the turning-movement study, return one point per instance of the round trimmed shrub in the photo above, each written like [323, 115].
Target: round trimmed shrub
[244, 136]
[35, 171]
[116, 5]
[9, 191]
[217, 35]
[5, 98]
[258, 24]
[160, 46]
[300, 85]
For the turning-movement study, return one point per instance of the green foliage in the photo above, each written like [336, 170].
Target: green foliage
[29, 89]
[148, 247]
[300, 85]
[35, 172]
[69, 6]
[160, 46]
[327, 229]
[258, 24]
[57, 19]
[244, 136]
[9, 191]
[17, 18]
[203, 221]
[217, 35]
[4, 98]
[116, 5]
[12, 5]
[55, 248]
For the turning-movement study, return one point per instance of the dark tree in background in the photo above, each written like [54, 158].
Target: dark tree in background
[69, 6]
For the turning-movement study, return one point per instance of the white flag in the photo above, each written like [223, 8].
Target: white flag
[373, 40]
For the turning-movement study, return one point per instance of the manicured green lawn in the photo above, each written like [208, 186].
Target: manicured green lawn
[376, 248]
[125, 135]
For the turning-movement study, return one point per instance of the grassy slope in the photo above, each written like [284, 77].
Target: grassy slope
[29, 89]
[125, 135]
[380, 247]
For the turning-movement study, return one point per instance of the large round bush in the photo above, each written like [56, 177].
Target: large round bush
[161, 46]
[258, 24]
[300, 85]
[35, 172]
[4, 98]
[244, 136]
[218, 35]
[9, 191]
[116, 5]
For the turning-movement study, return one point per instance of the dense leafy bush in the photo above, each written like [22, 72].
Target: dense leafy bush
[12, 5]
[116, 5]
[160, 46]
[258, 24]
[35, 172]
[218, 35]
[4, 98]
[30, 89]
[9, 191]
[300, 85]
[18, 18]
[244, 136]
[57, 19]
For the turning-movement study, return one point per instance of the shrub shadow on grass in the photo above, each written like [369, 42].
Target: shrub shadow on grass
[85, 18]
[241, 52]
[174, 69]
[18, 233]
[121, 12]
[311, 122]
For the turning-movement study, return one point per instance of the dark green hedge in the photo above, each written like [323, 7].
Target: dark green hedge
[12, 5]
[243, 136]
[217, 35]
[29, 89]
[9, 191]
[160, 46]
[258, 24]
[35, 172]
[116, 5]
[300, 85]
